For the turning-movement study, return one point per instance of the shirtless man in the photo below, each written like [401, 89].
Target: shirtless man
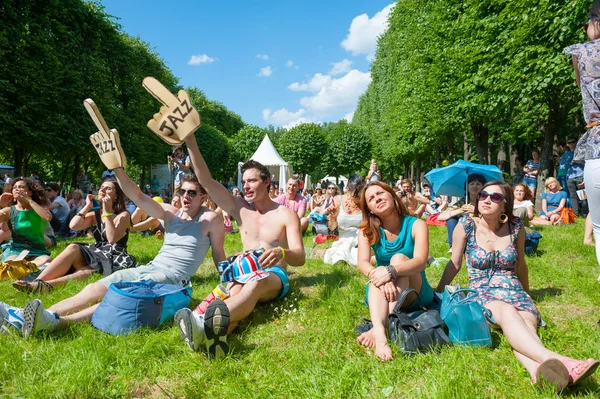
[414, 201]
[263, 224]
[294, 201]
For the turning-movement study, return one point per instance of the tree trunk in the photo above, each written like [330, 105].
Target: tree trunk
[18, 158]
[481, 137]
[75, 169]
[64, 172]
[546, 160]
[466, 151]
[142, 179]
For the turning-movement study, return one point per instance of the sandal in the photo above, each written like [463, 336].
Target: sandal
[579, 369]
[552, 372]
[41, 287]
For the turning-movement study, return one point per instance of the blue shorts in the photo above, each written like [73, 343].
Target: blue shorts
[426, 294]
[530, 182]
[285, 282]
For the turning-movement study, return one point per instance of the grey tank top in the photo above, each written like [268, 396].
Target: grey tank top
[184, 248]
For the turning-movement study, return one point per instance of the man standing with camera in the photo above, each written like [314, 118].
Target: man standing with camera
[179, 165]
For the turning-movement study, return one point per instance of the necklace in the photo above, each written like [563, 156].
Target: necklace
[351, 207]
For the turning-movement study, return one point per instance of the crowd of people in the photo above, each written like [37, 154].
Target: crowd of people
[381, 229]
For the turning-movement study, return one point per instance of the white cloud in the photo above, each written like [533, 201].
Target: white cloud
[339, 95]
[282, 116]
[297, 122]
[290, 64]
[266, 71]
[349, 116]
[364, 31]
[340, 67]
[201, 59]
[262, 57]
[315, 84]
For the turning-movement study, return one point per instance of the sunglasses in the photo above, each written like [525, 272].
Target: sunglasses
[330, 188]
[192, 193]
[495, 197]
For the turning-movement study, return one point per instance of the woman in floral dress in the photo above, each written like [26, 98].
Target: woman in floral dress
[494, 245]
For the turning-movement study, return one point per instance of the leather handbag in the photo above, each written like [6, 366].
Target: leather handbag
[417, 331]
[465, 318]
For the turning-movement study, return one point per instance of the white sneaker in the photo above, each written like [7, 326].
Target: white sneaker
[10, 316]
[37, 319]
[191, 326]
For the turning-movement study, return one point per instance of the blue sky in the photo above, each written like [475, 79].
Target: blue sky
[272, 62]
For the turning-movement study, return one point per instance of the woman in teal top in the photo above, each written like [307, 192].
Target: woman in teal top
[401, 246]
[26, 220]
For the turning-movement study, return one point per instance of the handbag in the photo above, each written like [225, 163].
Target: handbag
[14, 269]
[417, 331]
[532, 241]
[465, 318]
[126, 307]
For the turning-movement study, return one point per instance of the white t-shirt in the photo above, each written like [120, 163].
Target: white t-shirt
[524, 204]
[63, 210]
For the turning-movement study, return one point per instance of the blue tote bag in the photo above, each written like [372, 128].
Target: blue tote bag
[465, 318]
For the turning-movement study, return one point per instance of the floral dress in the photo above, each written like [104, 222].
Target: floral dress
[494, 274]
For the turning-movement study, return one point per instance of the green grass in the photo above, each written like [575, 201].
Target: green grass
[305, 346]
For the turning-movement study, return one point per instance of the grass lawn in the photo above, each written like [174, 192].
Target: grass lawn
[304, 346]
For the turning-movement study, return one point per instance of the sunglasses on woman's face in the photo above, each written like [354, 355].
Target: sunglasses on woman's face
[495, 197]
[330, 188]
[191, 193]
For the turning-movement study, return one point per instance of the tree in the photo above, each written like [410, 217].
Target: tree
[247, 140]
[349, 148]
[303, 147]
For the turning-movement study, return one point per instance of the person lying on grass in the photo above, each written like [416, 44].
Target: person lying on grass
[25, 211]
[494, 245]
[190, 231]
[263, 223]
[401, 245]
[107, 255]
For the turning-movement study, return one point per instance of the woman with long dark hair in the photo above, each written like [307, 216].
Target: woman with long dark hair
[107, 255]
[493, 242]
[26, 218]
[401, 245]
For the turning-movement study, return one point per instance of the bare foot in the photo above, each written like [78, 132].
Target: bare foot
[383, 351]
[367, 339]
[591, 243]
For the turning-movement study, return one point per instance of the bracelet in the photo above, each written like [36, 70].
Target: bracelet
[392, 272]
[81, 215]
[282, 253]
[106, 215]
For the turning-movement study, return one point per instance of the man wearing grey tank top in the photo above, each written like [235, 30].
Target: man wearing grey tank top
[263, 224]
[190, 231]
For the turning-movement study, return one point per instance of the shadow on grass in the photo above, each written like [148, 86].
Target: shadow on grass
[540, 294]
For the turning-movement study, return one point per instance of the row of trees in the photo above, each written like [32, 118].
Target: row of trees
[454, 75]
[53, 55]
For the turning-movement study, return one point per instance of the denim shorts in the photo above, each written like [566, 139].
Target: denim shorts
[150, 272]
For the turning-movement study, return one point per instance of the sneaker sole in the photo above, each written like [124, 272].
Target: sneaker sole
[216, 323]
[184, 322]
[554, 373]
[30, 313]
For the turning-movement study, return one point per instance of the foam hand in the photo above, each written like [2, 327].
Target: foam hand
[176, 119]
[106, 141]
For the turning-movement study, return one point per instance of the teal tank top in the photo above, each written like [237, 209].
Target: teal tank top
[403, 244]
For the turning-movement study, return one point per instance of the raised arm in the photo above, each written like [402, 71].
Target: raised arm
[459, 241]
[216, 234]
[219, 194]
[131, 190]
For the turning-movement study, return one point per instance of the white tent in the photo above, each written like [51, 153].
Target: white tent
[268, 156]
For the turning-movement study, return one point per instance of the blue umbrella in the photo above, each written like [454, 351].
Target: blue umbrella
[452, 179]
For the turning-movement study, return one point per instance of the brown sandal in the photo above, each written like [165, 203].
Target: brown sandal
[41, 287]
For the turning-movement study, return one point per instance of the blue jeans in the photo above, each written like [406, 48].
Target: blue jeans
[450, 225]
